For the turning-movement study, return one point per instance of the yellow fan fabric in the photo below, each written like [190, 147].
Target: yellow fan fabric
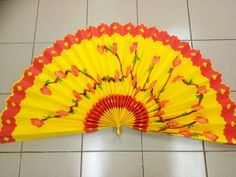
[120, 75]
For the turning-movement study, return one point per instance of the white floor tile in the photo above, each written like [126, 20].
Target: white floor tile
[212, 19]
[233, 95]
[222, 55]
[103, 11]
[57, 18]
[10, 147]
[14, 59]
[65, 143]
[210, 146]
[167, 15]
[9, 164]
[50, 165]
[3, 101]
[112, 164]
[39, 48]
[169, 143]
[221, 164]
[109, 140]
[174, 164]
[17, 19]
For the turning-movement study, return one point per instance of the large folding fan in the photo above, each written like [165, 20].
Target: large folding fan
[120, 75]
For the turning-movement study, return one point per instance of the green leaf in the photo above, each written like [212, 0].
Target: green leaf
[59, 80]
[133, 60]
[170, 70]
[86, 96]
[150, 68]
[158, 120]
[47, 82]
[85, 70]
[198, 96]
[163, 126]
[109, 46]
[74, 100]
[185, 113]
[100, 87]
[190, 82]
[190, 126]
[72, 112]
[195, 135]
[138, 57]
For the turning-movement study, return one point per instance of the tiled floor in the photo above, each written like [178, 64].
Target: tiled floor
[28, 26]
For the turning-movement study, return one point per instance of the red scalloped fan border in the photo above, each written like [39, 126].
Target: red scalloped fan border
[27, 80]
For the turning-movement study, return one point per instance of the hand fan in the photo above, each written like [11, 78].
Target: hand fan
[120, 75]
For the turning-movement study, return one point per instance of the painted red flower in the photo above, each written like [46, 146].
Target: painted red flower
[133, 47]
[152, 85]
[74, 70]
[186, 133]
[155, 60]
[202, 90]
[99, 79]
[60, 74]
[137, 91]
[197, 107]
[176, 62]
[201, 120]
[128, 70]
[37, 122]
[134, 80]
[178, 78]
[77, 95]
[114, 48]
[159, 113]
[117, 77]
[163, 103]
[45, 90]
[62, 113]
[210, 135]
[100, 49]
[91, 89]
[151, 98]
[172, 124]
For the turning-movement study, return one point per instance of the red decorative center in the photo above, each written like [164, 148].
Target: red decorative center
[117, 101]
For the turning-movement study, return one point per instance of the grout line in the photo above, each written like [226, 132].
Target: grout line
[137, 12]
[214, 39]
[35, 28]
[82, 137]
[5, 93]
[205, 160]
[81, 155]
[19, 171]
[87, 13]
[87, 151]
[142, 153]
[16, 43]
[141, 134]
[189, 23]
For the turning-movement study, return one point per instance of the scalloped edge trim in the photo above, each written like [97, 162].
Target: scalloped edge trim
[27, 79]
